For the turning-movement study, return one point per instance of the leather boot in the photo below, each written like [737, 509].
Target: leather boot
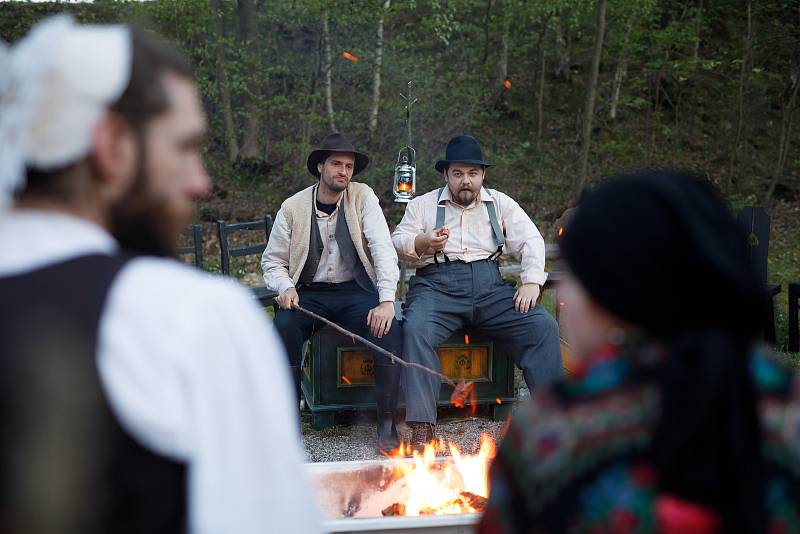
[387, 386]
[421, 435]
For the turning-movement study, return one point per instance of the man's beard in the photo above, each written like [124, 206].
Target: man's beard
[331, 183]
[139, 222]
[463, 197]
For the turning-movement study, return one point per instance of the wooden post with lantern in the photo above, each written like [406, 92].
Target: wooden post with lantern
[404, 184]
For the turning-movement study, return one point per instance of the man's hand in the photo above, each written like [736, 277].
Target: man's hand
[526, 296]
[432, 242]
[288, 299]
[379, 319]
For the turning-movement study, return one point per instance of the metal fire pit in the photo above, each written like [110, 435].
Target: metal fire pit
[352, 495]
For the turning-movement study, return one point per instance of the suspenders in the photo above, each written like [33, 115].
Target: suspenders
[439, 224]
[499, 238]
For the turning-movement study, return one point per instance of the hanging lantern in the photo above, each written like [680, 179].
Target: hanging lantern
[405, 175]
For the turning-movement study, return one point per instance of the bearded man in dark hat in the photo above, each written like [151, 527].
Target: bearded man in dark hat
[454, 235]
[330, 251]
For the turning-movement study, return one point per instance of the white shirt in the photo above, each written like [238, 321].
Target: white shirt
[193, 370]
[275, 260]
[471, 237]
[330, 269]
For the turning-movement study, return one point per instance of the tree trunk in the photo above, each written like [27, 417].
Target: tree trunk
[787, 120]
[698, 31]
[591, 94]
[311, 105]
[541, 74]
[218, 27]
[252, 124]
[655, 122]
[376, 80]
[740, 98]
[487, 26]
[619, 77]
[562, 50]
[327, 68]
[503, 65]
[620, 72]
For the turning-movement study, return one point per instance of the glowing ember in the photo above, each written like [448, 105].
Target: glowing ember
[459, 485]
[351, 57]
[507, 84]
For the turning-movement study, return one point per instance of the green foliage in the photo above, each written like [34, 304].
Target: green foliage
[673, 106]
[673, 71]
[676, 103]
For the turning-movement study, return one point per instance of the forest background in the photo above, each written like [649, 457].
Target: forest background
[560, 93]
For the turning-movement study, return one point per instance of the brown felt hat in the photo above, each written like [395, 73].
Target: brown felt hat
[336, 142]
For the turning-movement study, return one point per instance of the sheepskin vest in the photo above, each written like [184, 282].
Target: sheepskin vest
[305, 243]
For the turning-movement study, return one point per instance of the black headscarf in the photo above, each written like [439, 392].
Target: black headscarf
[661, 250]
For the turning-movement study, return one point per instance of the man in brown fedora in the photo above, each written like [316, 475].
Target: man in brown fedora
[330, 251]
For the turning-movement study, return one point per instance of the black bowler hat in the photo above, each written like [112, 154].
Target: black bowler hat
[462, 149]
[336, 142]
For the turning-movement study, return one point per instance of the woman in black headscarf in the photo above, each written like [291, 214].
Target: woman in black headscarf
[672, 421]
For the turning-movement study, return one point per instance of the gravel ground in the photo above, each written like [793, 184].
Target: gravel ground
[355, 439]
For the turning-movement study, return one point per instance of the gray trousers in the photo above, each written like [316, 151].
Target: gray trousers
[446, 297]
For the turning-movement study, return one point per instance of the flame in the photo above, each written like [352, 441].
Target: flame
[473, 402]
[466, 339]
[507, 84]
[346, 381]
[404, 186]
[436, 486]
[351, 57]
[498, 400]
[560, 231]
[459, 396]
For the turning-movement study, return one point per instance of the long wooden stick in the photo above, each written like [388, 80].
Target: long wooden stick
[375, 347]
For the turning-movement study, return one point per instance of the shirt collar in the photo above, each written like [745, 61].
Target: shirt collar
[32, 239]
[322, 214]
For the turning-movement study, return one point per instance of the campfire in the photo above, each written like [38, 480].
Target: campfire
[442, 481]
[437, 486]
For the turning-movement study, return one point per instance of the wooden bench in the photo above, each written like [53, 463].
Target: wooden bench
[756, 222]
[329, 356]
[195, 248]
[225, 230]
[337, 375]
